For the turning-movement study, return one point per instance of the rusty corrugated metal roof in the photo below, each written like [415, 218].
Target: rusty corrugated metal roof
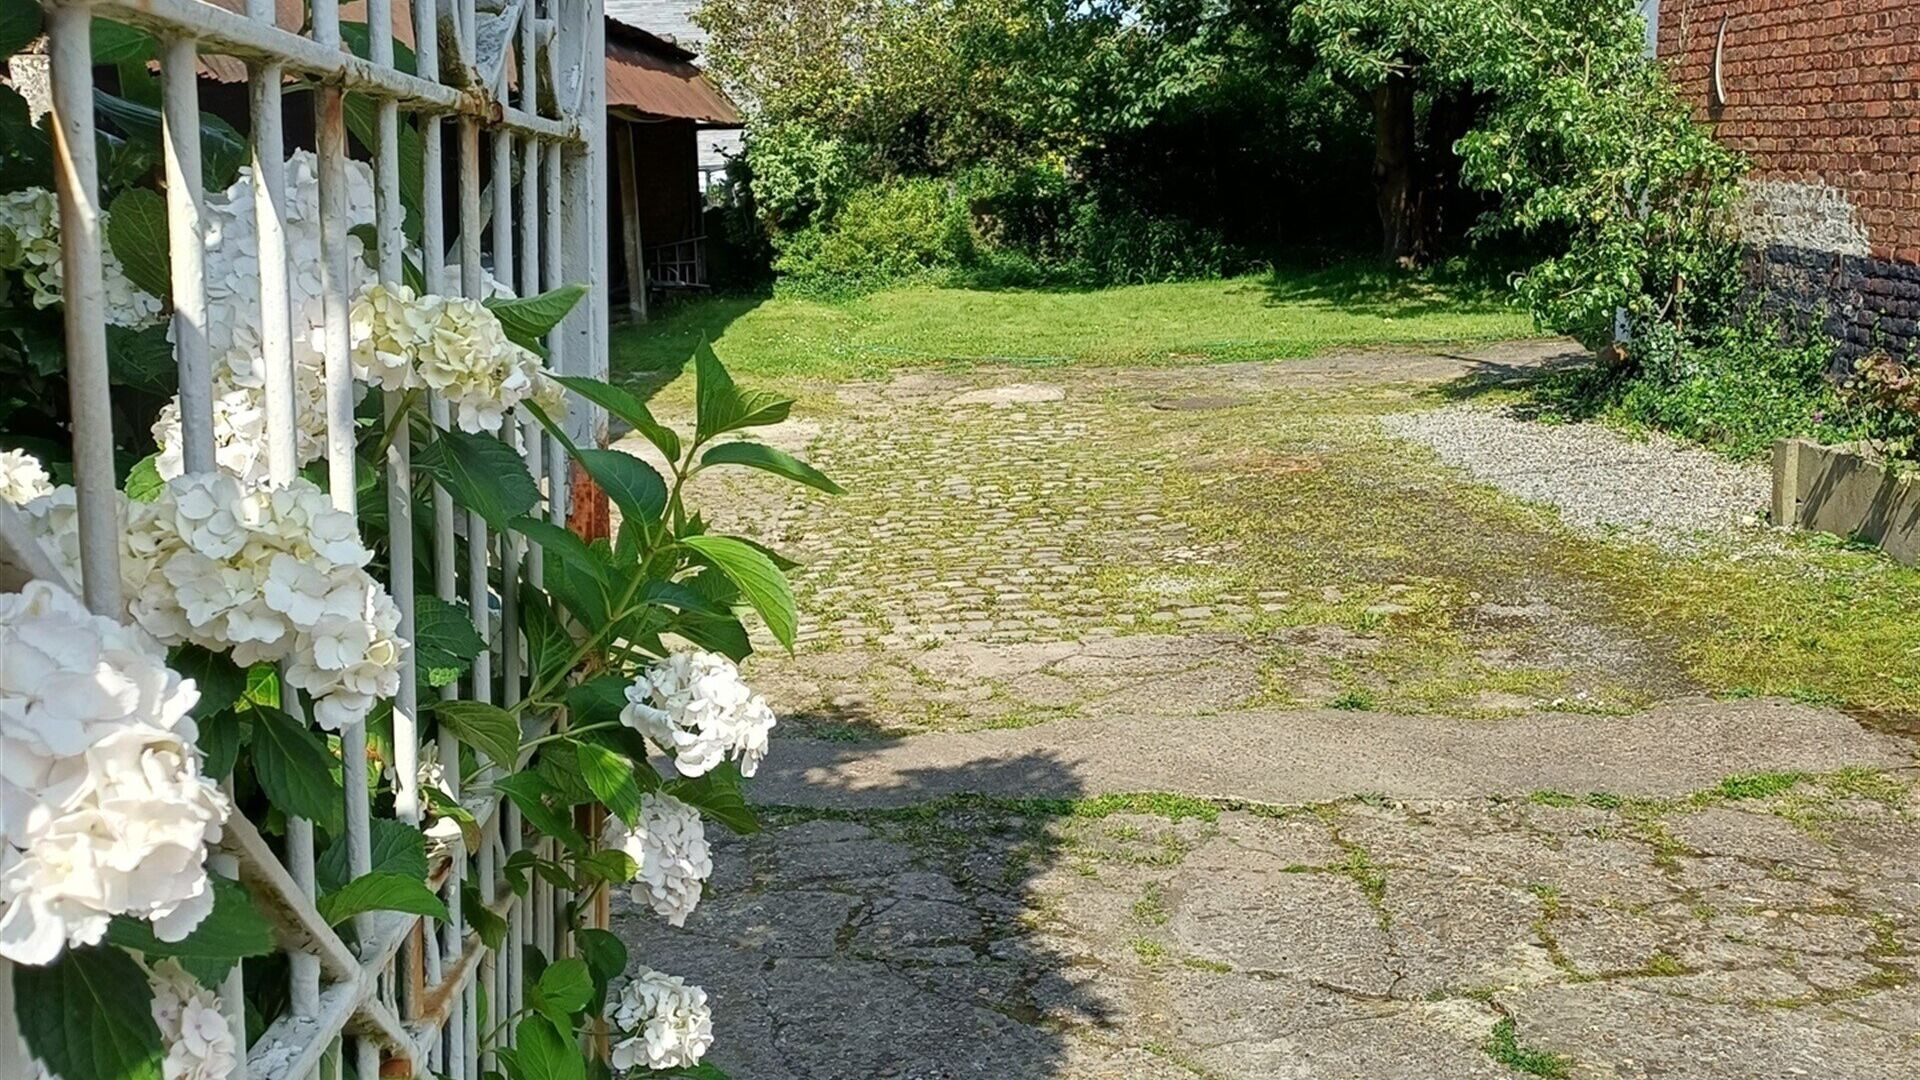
[647, 76]
[655, 78]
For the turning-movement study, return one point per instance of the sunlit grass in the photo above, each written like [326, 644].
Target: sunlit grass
[1279, 316]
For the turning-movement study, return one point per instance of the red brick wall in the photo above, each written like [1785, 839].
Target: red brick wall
[1819, 92]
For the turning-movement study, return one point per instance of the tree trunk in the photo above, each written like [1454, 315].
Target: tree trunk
[1399, 191]
[1450, 208]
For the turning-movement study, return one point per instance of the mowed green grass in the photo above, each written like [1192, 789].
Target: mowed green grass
[1279, 316]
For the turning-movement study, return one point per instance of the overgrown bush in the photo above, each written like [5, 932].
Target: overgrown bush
[1889, 389]
[1112, 242]
[799, 174]
[890, 232]
[993, 227]
[1737, 386]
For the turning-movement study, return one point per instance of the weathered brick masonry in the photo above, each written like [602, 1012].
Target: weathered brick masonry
[1824, 96]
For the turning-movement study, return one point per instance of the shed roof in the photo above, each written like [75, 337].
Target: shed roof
[648, 77]
[651, 77]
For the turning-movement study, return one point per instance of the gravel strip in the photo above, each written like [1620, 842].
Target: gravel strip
[1599, 479]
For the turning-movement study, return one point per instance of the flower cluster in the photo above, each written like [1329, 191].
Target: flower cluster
[199, 1044]
[103, 809]
[31, 216]
[669, 846]
[234, 318]
[695, 706]
[659, 1022]
[451, 345]
[263, 574]
[22, 478]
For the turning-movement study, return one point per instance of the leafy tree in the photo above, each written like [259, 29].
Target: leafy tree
[844, 92]
[1553, 107]
[1585, 140]
[1404, 62]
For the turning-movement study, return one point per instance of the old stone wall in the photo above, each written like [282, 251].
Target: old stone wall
[1824, 98]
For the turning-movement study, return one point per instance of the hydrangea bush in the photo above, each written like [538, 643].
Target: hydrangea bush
[257, 626]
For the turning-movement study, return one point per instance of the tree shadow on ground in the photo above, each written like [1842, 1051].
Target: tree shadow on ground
[1568, 386]
[1368, 287]
[647, 356]
[890, 932]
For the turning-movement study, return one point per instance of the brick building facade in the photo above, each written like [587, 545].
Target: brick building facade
[1824, 97]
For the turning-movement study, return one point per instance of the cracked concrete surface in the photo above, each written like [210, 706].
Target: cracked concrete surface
[1701, 936]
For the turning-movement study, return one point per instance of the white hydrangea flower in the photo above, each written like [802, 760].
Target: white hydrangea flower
[32, 216]
[239, 433]
[55, 519]
[659, 1022]
[669, 846]
[199, 1044]
[452, 345]
[22, 477]
[234, 323]
[264, 575]
[695, 705]
[396, 338]
[103, 809]
[549, 394]
[390, 325]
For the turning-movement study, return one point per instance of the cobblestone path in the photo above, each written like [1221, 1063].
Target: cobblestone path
[1181, 723]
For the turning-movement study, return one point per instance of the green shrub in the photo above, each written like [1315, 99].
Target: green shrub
[799, 175]
[998, 228]
[1112, 242]
[894, 231]
[1737, 386]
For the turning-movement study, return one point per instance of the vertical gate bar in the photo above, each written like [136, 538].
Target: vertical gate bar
[76, 175]
[503, 270]
[583, 192]
[557, 471]
[330, 141]
[269, 213]
[515, 957]
[558, 476]
[470, 1032]
[592, 180]
[13, 1051]
[467, 21]
[186, 244]
[276, 348]
[433, 236]
[502, 224]
[390, 216]
[331, 145]
[433, 268]
[186, 233]
[489, 975]
[534, 436]
[473, 284]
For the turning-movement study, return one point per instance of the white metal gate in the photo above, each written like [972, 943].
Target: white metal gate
[525, 80]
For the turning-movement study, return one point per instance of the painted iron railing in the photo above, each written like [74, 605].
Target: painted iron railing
[525, 77]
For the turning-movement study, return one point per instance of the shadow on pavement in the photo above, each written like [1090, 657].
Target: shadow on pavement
[1565, 386]
[888, 942]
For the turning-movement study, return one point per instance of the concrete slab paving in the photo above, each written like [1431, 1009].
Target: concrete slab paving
[1311, 756]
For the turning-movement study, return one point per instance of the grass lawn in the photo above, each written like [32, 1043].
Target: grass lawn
[1284, 315]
